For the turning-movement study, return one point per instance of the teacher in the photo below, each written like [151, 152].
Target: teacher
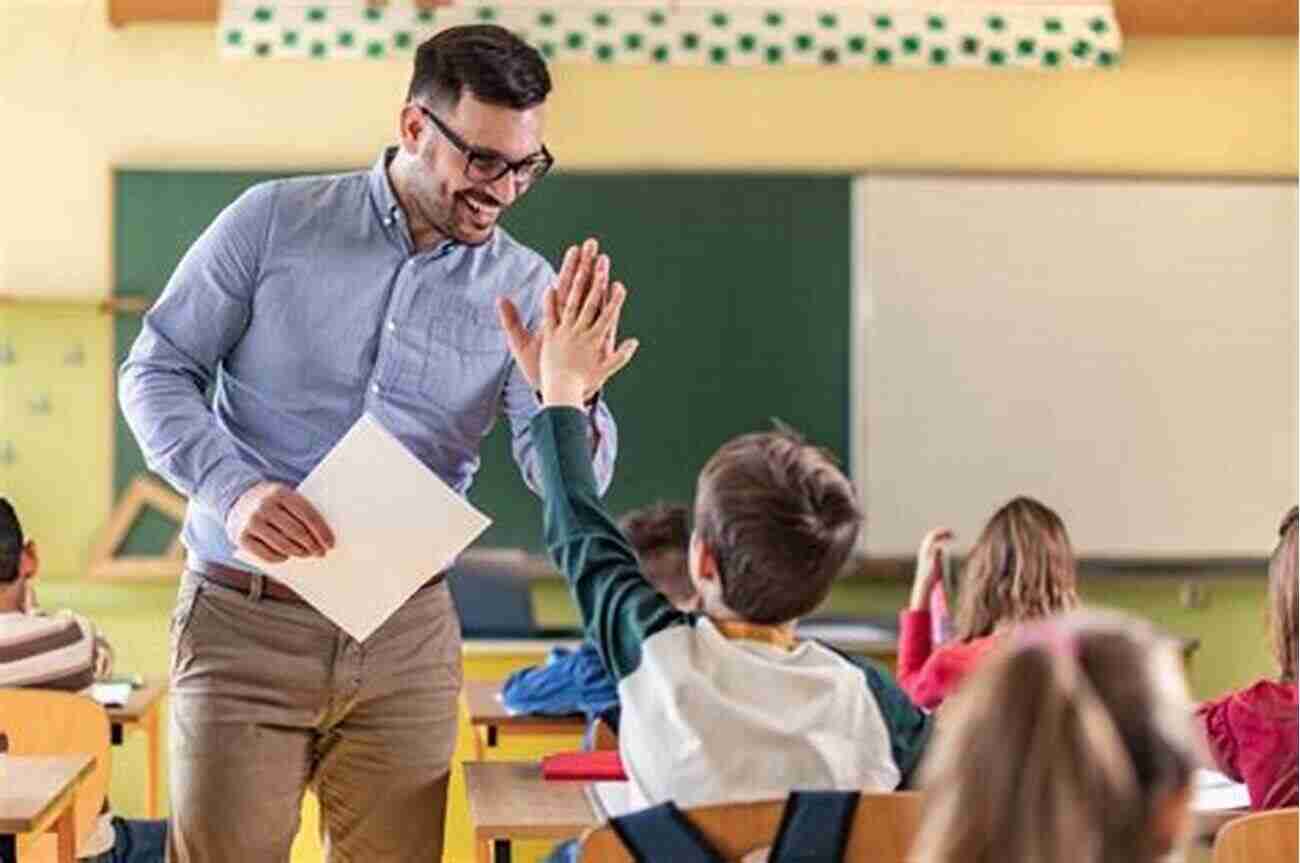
[306, 303]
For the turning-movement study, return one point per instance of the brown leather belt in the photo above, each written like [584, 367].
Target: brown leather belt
[238, 579]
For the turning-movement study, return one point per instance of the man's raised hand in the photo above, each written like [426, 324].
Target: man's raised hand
[576, 270]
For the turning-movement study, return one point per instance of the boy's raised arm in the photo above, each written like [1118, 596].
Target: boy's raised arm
[579, 323]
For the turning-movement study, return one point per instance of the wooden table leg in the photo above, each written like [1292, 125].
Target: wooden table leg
[153, 741]
[66, 829]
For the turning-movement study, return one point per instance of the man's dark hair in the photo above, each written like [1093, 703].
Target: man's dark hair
[660, 533]
[780, 520]
[491, 62]
[11, 542]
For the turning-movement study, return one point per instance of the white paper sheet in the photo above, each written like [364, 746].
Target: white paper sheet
[395, 524]
[1212, 792]
[111, 694]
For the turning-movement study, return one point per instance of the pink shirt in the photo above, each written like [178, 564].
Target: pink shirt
[929, 675]
[1252, 734]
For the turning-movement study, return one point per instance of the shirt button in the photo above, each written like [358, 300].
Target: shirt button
[392, 326]
[374, 387]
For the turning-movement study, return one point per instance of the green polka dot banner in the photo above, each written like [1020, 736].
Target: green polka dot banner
[993, 36]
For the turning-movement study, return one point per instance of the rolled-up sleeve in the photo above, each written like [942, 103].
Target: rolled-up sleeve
[200, 317]
[521, 404]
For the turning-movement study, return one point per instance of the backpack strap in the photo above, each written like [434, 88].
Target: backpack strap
[814, 827]
[661, 834]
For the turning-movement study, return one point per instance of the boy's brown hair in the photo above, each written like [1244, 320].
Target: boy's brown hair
[1063, 747]
[780, 519]
[661, 534]
[1021, 568]
[1282, 597]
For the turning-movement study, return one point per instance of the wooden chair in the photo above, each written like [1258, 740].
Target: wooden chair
[1264, 837]
[884, 827]
[45, 722]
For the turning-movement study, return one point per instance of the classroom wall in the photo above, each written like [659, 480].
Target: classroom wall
[78, 97]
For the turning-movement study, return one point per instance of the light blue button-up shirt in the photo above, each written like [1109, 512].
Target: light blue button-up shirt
[306, 304]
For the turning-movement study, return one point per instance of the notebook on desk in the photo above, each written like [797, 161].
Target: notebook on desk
[601, 766]
[1214, 792]
[111, 694]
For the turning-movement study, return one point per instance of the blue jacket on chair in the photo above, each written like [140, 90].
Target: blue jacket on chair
[571, 681]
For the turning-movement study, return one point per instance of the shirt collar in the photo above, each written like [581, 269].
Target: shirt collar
[781, 635]
[381, 190]
[386, 204]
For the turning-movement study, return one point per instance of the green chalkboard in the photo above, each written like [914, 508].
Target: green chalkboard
[739, 292]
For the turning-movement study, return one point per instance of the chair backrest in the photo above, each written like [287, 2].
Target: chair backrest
[1264, 837]
[491, 602]
[46, 722]
[884, 827]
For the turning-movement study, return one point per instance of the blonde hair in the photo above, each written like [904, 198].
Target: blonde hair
[1282, 597]
[1021, 568]
[1060, 749]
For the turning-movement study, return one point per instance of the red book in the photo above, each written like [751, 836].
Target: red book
[602, 766]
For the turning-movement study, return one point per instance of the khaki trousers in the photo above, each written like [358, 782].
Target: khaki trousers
[269, 698]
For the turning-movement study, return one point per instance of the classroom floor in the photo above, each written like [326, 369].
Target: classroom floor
[135, 618]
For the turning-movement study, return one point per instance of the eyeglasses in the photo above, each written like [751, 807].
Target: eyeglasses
[486, 166]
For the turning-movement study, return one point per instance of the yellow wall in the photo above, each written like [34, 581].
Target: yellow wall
[77, 98]
[59, 478]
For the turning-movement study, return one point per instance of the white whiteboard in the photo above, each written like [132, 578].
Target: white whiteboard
[1124, 350]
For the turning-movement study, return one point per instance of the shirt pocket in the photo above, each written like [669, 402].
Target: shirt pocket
[464, 359]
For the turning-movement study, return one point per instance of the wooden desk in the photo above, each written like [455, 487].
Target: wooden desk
[524, 647]
[488, 718]
[143, 711]
[36, 796]
[510, 800]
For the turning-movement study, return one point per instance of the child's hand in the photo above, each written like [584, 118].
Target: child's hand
[28, 604]
[929, 566]
[576, 355]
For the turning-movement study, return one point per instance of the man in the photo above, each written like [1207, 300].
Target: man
[306, 303]
[59, 651]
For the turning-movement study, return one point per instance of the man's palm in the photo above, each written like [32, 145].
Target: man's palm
[525, 346]
[582, 270]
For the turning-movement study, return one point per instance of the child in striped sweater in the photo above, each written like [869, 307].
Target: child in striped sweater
[59, 651]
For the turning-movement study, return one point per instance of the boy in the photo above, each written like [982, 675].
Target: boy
[59, 651]
[724, 705]
[575, 681]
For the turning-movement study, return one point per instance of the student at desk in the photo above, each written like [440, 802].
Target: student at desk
[726, 704]
[576, 681]
[1252, 732]
[59, 651]
[1021, 569]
